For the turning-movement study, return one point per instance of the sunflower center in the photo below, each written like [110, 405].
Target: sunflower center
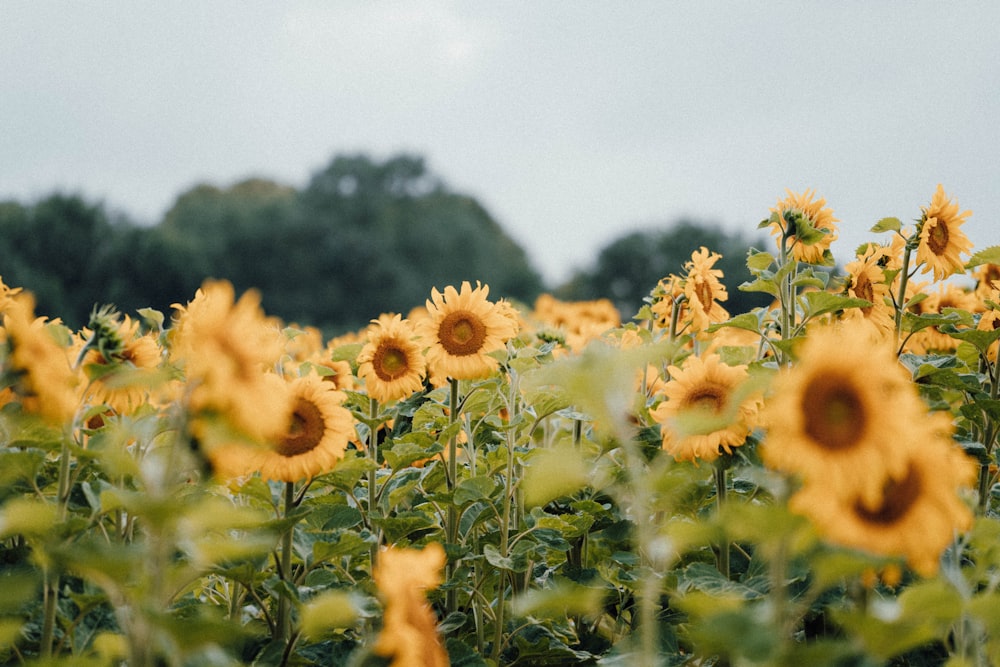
[898, 496]
[305, 430]
[704, 292]
[708, 399]
[835, 416]
[462, 333]
[863, 289]
[389, 363]
[937, 240]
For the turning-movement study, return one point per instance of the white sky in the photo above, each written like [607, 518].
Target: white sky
[572, 122]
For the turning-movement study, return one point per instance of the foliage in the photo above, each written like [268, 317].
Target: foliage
[569, 533]
[625, 268]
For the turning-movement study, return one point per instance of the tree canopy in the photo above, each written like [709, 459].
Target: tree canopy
[361, 238]
[627, 270]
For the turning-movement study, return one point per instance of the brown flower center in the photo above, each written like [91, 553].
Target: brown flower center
[898, 496]
[462, 333]
[937, 240]
[863, 289]
[835, 416]
[305, 430]
[709, 398]
[703, 290]
[389, 362]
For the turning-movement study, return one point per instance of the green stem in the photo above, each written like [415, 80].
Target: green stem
[451, 599]
[283, 625]
[720, 499]
[51, 597]
[904, 277]
[372, 477]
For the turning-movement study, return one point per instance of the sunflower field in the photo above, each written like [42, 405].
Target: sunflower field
[483, 482]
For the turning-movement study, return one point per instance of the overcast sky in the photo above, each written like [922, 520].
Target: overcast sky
[572, 122]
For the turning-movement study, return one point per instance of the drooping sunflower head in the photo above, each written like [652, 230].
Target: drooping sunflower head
[122, 379]
[391, 362]
[704, 289]
[942, 240]
[807, 222]
[37, 366]
[704, 413]
[842, 408]
[409, 634]
[460, 331]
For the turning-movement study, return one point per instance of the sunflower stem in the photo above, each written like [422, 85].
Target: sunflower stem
[372, 495]
[904, 277]
[722, 560]
[451, 599]
[283, 624]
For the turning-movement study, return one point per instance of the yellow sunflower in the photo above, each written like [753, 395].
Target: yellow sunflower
[226, 349]
[946, 295]
[39, 366]
[987, 278]
[667, 296]
[990, 321]
[846, 406]
[702, 397]
[866, 280]
[580, 322]
[124, 381]
[318, 432]
[409, 636]
[391, 362]
[704, 289]
[460, 331]
[917, 512]
[941, 237]
[816, 214]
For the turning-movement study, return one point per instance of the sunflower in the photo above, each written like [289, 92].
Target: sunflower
[38, 366]
[409, 635]
[318, 432]
[391, 363]
[866, 280]
[460, 331]
[666, 297]
[918, 509]
[226, 349]
[815, 215]
[941, 237]
[846, 406]
[580, 322]
[703, 398]
[704, 289]
[947, 295]
[123, 378]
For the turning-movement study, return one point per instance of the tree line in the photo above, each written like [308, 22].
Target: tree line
[361, 238]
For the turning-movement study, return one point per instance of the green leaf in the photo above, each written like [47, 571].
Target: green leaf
[516, 562]
[820, 303]
[758, 260]
[553, 473]
[989, 255]
[476, 488]
[563, 599]
[887, 225]
[745, 321]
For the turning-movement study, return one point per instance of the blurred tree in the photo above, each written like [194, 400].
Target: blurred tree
[630, 267]
[59, 248]
[391, 231]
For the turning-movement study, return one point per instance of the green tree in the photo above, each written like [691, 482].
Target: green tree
[630, 267]
[392, 230]
[60, 249]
